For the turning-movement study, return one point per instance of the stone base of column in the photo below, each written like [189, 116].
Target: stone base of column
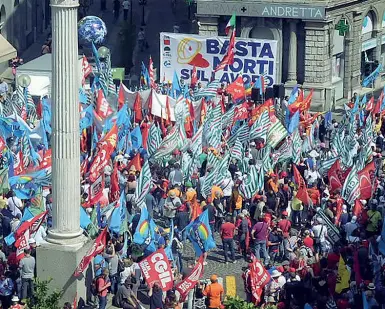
[60, 238]
[59, 263]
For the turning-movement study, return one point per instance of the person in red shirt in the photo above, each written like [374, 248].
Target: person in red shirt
[308, 241]
[284, 224]
[227, 235]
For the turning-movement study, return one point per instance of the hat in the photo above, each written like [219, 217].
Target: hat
[322, 145]
[188, 184]
[283, 174]
[285, 263]
[15, 298]
[275, 273]
[252, 144]
[273, 175]
[371, 286]
[31, 241]
[284, 213]
[344, 208]
[245, 212]
[213, 278]
[363, 202]
[172, 194]
[319, 220]
[241, 215]
[126, 155]
[313, 154]
[354, 219]
[132, 168]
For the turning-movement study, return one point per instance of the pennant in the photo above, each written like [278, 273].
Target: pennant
[228, 59]
[334, 181]
[188, 283]
[237, 89]
[145, 231]
[230, 24]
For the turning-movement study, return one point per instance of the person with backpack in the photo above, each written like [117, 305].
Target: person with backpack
[102, 283]
[320, 234]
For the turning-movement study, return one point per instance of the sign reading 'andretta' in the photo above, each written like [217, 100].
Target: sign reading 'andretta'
[241, 8]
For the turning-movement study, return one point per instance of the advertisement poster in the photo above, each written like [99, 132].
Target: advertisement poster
[181, 52]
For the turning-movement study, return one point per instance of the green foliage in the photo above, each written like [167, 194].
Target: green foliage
[237, 303]
[127, 45]
[44, 298]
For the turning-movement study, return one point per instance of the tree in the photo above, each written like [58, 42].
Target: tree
[43, 297]
[237, 303]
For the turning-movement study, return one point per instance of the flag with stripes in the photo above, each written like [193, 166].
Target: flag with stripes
[326, 164]
[143, 184]
[261, 126]
[213, 127]
[351, 188]
[276, 133]
[228, 117]
[212, 160]
[168, 145]
[222, 169]
[337, 144]
[196, 141]
[297, 147]
[187, 161]
[237, 150]
[154, 139]
[242, 134]
[283, 153]
[209, 91]
[267, 164]
[31, 107]
[250, 185]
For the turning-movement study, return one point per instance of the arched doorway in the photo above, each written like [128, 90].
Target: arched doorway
[369, 44]
[3, 18]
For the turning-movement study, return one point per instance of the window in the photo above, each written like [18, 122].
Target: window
[338, 66]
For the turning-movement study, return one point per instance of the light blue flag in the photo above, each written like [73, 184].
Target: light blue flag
[365, 304]
[123, 117]
[175, 88]
[372, 77]
[88, 118]
[145, 231]
[200, 234]
[294, 95]
[96, 56]
[294, 122]
[10, 239]
[84, 219]
[168, 249]
[47, 115]
[95, 139]
[82, 96]
[364, 101]
[117, 217]
[136, 138]
[328, 118]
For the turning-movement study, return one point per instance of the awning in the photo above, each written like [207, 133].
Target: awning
[7, 51]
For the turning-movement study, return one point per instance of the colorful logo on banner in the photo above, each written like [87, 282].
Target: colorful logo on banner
[180, 53]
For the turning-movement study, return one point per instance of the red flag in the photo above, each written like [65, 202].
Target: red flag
[97, 247]
[334, 180]
[75, 304]
[104, 149]
[103, 109]
[135, 162]
[18, 167]
[377, 108]
[191, 109]
[370, 104]
[22, 243]
[307, 102]
[357, 208]
[84, 166]
[86, 69]
[114, 185]
[367, 180]
[83, 141]
[191, 280]
[121, 96]
[194, 77]
[47, 159]
[95, 191]
[259, 277]
[151, 73]
[228, 59]
[156, 269]
[302, 193]
[138, 108]
[241, 112]
[237, 88]
[203, 110]
[32, 224]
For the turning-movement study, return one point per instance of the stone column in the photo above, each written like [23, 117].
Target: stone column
[65, 124]
[292, 66]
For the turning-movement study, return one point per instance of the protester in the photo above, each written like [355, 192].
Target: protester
[214, 292]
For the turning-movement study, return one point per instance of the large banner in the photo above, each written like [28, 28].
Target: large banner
[181, 52]
[190, 281]
[156, 269]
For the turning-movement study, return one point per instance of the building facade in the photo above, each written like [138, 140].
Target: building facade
[23, 21]
[327, 46]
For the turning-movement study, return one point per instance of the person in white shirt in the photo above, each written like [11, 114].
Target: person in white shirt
[227, 188]
[312, 176]
[15, 205]
[320, 234]
[15, 222]
[40, 235]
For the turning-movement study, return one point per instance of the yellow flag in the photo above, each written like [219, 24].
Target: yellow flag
[343, 276]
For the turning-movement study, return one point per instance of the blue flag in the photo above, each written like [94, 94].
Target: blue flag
[47, 116]
[95, 139]
[200, 234]
[365, 304]
[145, 231]
[175, 88]
[328, 118]
[168, 249]
[294, 95]
[84, 219]
[10, 239]
[123, 117]
[96, 56]
[88, 118]
[82, 96]
[136, 138]
[372, 77]
[294, 122]
[118, 216]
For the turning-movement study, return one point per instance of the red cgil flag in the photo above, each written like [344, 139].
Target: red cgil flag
[104, 149]
[151, 73]
[191, 280]
[367, 181]
[86, 69]
[302, 193]
[136, 162]
[237, 89]
[194, 77]
[228, 59]
[114, 192]
[370, 104]
[241, 112]
[377, 108]
[97, 247]
[334, 180]
[103, 109]
[357, 208]
[47, 159]
[32, 225]
[138, 108]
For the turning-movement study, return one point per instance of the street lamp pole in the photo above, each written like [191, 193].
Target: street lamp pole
[143, 4]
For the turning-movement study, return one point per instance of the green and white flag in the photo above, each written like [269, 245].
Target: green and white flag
[176, 139]
[4, 184]
[154, 139]
[222, 169]
[283, 153]
[231, 24]
[242, 134]
[228, 118]
[267, 164]
[250, 185]
[260, 127]
[297, 146]
[187, 161]
[196, 141]
[351, 188]
[326, 164]
[212, 160]
[237, 150]
[143, 184]
[276, 133]
[213, 127]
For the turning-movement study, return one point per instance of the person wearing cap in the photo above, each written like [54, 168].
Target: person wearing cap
[15, 303]
[274, 242]
[171, 205]
[236, 201]
[320, 234]
[214, 292]
[284, 224]
[273, 288]
[374, 220]
[350, 227]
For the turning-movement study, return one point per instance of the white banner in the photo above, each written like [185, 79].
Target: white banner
[181, 52]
